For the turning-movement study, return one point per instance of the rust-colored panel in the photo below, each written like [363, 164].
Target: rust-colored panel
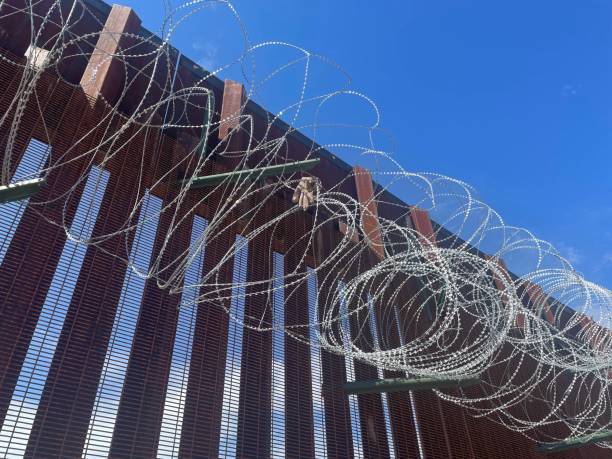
[202, 418]
[519, 321]
[369, 210]
[299, 430]
[337, 413]
[350, 233]
[103, 75]
[231, 108]
[254, 407]
[537, 297]
[422, 223]
[61, 422]
[141, 407]
[30, 261]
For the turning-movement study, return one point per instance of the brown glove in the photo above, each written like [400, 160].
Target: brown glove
[304, 194]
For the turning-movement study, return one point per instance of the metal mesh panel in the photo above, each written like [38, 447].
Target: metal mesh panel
[106, 406]
[176, 392]
[233, 363]
[28, 391]
[31, 162]
[277, 428]
[97, 361]
[318, 407]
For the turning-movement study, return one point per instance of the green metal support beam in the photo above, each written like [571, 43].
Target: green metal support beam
[252, 174]
[208, 111]
[377, 386]
[576, 442]
[20, 190]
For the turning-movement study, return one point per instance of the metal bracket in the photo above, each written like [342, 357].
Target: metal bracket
[20, 190]
[251, 174]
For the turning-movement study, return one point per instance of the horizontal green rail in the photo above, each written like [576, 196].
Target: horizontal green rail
[575, 442]
[20, 190]
[377, 386]
[252, 174]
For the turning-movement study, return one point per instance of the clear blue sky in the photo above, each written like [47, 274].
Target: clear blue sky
[514, 98]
